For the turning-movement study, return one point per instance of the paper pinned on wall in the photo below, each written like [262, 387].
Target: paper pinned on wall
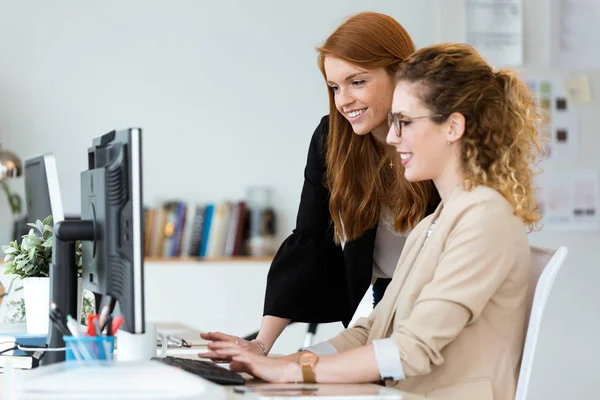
[570, 199]
[561, 127]
[495, 29]
[575, 34]
[579, 91]
[565, 136]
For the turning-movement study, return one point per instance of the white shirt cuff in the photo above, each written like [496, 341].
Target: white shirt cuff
[321, 349]
[388, 360]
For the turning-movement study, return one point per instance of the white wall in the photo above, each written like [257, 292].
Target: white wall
[584, 246]
[228, 93]
[566, 363]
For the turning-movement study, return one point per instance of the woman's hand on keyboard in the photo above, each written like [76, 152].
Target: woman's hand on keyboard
[219, 340]
[270, 369]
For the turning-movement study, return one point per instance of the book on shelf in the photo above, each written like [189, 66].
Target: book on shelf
[179, 229]
[196, 232]
[218, 234]
[186, 233]
[206, 227]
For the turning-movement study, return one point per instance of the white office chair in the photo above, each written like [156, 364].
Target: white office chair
[545, 264]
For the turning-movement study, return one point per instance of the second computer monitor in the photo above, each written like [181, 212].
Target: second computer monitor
[42, 193]
[111, 197]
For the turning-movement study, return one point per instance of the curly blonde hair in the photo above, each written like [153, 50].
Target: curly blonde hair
[501, 142]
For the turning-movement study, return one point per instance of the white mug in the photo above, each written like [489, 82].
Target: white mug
[140, 347]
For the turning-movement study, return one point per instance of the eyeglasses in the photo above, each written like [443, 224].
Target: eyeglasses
[396, 120]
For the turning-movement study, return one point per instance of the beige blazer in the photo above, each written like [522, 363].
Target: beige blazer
[456, 305]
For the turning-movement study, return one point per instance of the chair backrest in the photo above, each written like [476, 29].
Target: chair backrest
[545, 265]
[540, 257]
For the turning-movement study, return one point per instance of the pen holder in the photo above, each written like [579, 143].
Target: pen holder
[89, 348]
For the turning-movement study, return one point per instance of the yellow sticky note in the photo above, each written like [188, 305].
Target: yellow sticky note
[579, 91]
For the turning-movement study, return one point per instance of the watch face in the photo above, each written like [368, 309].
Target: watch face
[308, 359]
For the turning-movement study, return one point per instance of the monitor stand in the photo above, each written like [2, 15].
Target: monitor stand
[63, 279]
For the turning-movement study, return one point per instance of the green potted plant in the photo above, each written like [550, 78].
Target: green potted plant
[30, 261]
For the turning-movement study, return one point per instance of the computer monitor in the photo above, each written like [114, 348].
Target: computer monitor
[111, 231]
[111, 196]
[42, 193]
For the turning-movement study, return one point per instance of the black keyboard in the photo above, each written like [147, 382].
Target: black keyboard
[205, 369]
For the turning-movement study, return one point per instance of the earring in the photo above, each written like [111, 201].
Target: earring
[450, 142]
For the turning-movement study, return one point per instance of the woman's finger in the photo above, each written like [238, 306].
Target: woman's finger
[224, 345]
[227, 352]
[217, 336]
[235, 351]
[212, 355]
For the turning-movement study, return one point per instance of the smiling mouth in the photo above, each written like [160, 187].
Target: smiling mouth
[356, 113]
[405, 158]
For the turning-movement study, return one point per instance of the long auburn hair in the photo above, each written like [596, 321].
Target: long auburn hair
[358, 174]
[501, 142]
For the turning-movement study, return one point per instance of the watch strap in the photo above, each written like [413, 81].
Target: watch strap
[308, 374]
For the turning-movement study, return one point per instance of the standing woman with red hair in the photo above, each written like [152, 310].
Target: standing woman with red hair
[354, 190]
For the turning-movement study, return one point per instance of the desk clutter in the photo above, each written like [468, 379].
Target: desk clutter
[20, 349]
[94, 344]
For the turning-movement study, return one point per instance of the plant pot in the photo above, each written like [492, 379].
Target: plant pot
[36, 292]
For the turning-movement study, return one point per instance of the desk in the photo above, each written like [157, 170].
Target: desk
[199, 346]
[230, 395]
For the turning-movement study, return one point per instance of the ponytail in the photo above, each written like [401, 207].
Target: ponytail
[501, 141]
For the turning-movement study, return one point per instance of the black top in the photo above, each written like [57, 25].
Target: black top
[311, 278]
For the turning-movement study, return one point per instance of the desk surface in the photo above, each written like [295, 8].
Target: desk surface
[231, 395]
[199, 346]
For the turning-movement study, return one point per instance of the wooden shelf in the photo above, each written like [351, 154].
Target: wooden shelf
[201, 259]
[240, 259]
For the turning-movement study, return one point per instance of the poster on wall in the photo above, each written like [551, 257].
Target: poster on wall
[570, 199]
[560, 126]
[575, 34]
[495, 29]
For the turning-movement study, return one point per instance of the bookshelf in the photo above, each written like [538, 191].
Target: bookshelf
[238, 259]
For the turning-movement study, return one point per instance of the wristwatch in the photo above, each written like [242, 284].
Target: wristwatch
[307, 362]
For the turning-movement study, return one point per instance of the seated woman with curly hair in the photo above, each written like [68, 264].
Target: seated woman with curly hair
[451, 322]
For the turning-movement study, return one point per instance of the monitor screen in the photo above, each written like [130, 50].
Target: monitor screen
[42, 192]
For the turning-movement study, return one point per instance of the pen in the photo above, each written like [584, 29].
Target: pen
[109, 320]
[57, 316]
[74, 328]
[96, 325]
[59, 325]
[116, 324]
[99, 346]
[90, 325]
[103, 317]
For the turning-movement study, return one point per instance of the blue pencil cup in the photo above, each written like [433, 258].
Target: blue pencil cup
[89, 348]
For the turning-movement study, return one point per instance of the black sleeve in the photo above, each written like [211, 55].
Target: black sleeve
[307, 279]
